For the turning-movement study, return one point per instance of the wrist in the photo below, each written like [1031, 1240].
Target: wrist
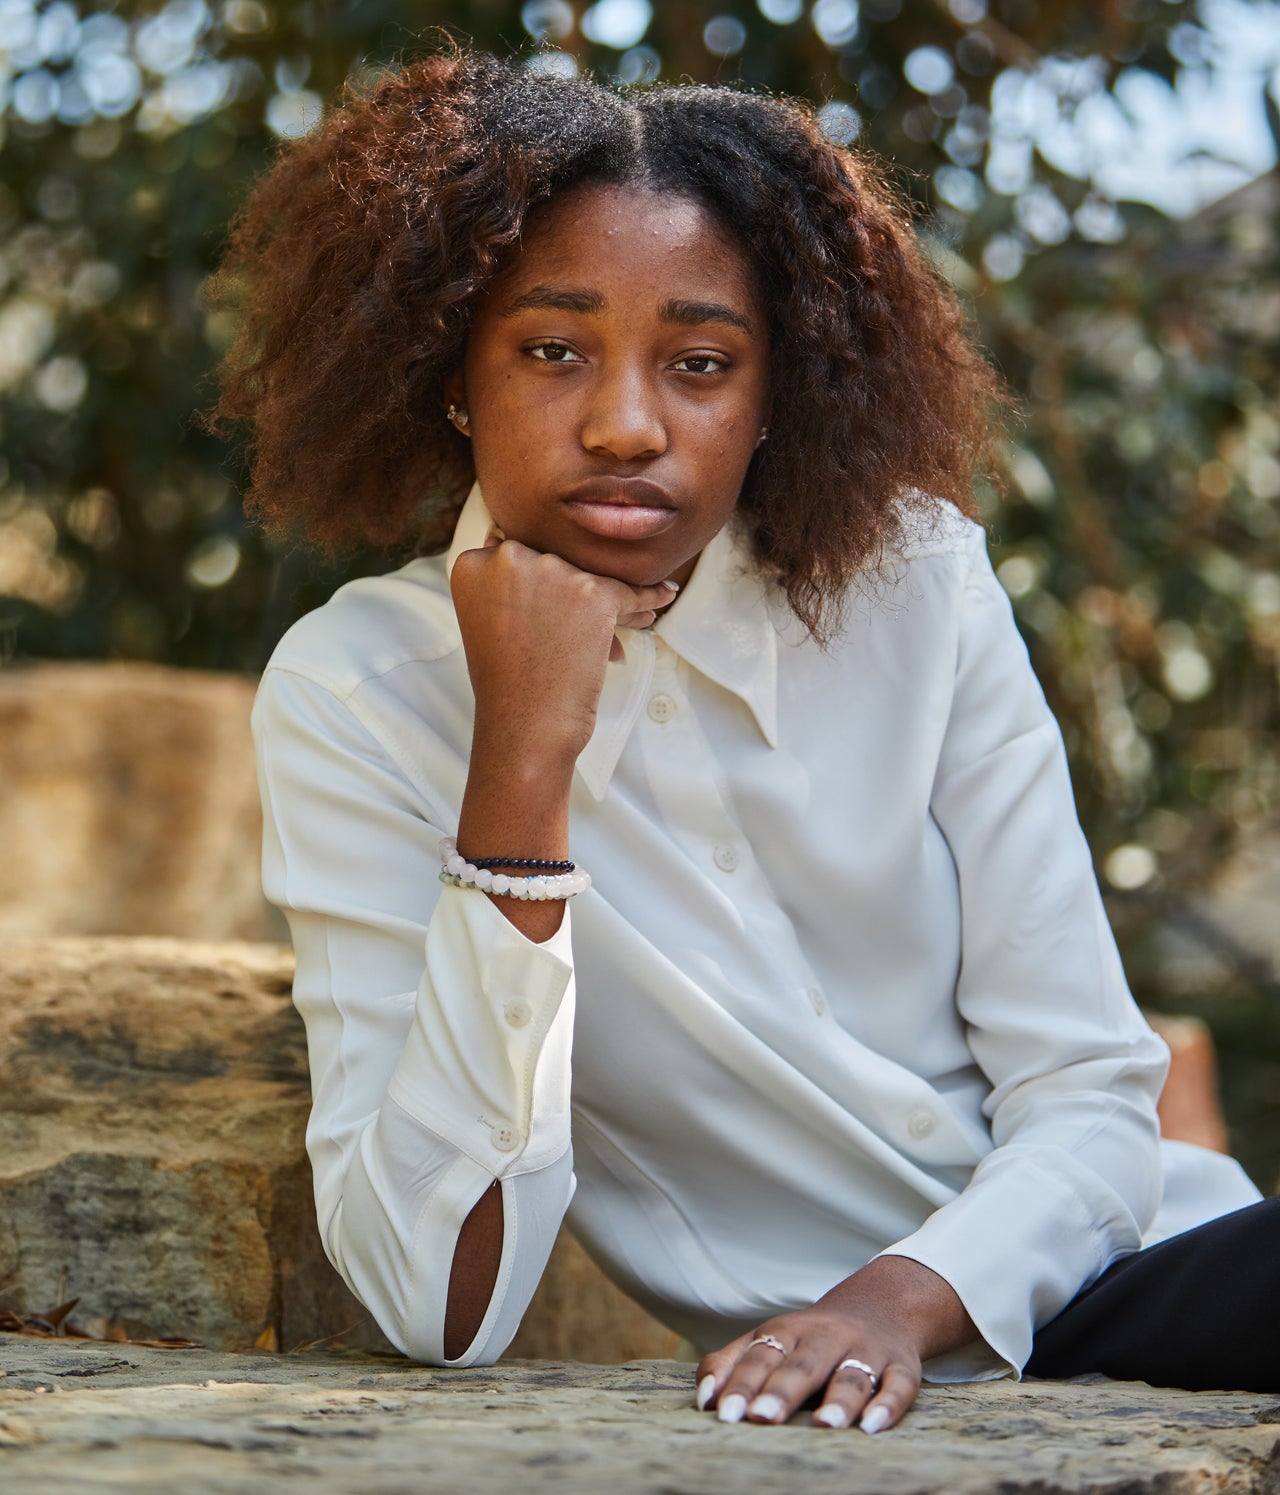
[914, 1296]
[534, 763]
[515, 805]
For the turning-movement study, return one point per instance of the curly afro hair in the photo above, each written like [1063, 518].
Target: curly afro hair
[357, 257]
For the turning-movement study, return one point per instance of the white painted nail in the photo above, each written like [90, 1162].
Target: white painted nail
[767, 1406]
[832, 1416]
[875, 1420]
[706, 1388]
[732, 1408]
[667, 582]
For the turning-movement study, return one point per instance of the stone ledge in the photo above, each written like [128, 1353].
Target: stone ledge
[153, 1104]
[84, 1418]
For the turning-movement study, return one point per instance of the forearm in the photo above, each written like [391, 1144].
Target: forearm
[476, 1259]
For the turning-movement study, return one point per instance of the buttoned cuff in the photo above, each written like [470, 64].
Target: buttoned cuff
[1016, 1246]
[488, 1059]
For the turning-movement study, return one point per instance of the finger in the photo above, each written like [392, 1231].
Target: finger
[714, 1369]
[651, 599]
[746, 1381]
[898, 1389]
[638, 620]
[792, 1382]
[848, 1391]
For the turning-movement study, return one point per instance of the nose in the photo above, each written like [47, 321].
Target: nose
[623, 418]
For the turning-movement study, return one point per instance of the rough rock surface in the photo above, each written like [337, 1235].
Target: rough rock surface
[130, 804]
[153, 1105]
[113, 1417]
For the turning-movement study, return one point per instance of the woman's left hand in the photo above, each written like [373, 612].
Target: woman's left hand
[889, 1316]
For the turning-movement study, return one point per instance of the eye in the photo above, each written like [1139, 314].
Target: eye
[701, 363]
[553, 353]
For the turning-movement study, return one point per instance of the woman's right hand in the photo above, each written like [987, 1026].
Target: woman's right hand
[538, 635]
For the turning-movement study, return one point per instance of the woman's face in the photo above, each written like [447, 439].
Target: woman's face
[616, 380]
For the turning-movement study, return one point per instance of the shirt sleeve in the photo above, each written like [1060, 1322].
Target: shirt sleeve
[439, 1037]
[1074, 1177]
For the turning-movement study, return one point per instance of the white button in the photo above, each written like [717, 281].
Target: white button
[725, 857]
[818, 1000]
[661, 707]
[517, 1013]
[920, 1124]
[504, 1138]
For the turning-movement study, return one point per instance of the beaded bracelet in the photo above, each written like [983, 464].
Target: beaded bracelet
[457, 872]
[534, 864]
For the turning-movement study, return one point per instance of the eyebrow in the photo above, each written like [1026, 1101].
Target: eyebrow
[592, 303]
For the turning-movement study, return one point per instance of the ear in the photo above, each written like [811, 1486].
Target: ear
[455, 390]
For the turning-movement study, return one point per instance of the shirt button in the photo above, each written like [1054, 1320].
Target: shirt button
[504, 1138]
[920, 1124]
[517, 1013]
[661, 707]
[818, 1000]
[725, 857]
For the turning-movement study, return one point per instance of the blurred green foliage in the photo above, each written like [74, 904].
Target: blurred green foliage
[1139, 539]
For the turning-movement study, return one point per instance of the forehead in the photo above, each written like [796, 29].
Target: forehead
[634, 236]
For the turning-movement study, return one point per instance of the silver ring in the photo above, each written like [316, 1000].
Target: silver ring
[864, 1368]
[774, 1344]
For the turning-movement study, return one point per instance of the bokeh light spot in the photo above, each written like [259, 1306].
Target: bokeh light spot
[292, 115]
[1003, 257]
[835, 21]
[1130, 867]
[724, 36]
[213, 562]
[556, 64]
[547, 20]
[639, 65]
[841, 122]
[617, 23]
[61, 383]
[928, 70]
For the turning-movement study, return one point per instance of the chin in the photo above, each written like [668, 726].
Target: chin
[631, 564]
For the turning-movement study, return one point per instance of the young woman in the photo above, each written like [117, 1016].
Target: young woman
[834, 1045]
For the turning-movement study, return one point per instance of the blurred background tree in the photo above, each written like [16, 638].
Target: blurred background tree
[1098, 181]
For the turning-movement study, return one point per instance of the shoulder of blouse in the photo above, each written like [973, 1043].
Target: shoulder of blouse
[935, 527]
[371, 626]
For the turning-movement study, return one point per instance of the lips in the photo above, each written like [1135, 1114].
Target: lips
[621, 508]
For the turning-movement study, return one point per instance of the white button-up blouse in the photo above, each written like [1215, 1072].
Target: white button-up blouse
[843, 984]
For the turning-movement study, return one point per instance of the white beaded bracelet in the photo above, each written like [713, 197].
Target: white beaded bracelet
[457, 872]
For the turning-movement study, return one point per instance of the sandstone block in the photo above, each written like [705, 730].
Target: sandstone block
[130, 804]
[1190, 1105]
[153, 1105]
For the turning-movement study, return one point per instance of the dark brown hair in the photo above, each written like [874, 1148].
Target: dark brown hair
[357, 258]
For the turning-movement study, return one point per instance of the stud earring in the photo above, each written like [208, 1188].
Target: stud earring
[460, 418]
[763, 436]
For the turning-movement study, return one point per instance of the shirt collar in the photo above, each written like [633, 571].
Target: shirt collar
[723, 625]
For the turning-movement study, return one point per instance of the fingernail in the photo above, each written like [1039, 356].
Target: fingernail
[732, 1408]
[831, 1416]
[706, 1389]
[768, 1406]
[875, 1420]
[674, 585]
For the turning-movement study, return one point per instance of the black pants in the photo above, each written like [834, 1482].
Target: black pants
[1200, 1310]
